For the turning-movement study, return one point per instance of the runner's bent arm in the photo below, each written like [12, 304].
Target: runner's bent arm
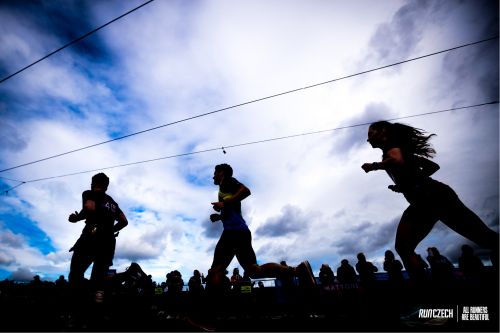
[394, 156]
[122, 222]
[88, 206]
[242, 193]
[76, 216]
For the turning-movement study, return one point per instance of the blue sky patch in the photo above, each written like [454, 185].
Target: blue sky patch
[4, 274]
[35, 237]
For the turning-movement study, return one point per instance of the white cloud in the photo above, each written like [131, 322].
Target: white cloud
[174, 60]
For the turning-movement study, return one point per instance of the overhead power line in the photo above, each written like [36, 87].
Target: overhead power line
[223, 148]
[249, 102]
[74, 41]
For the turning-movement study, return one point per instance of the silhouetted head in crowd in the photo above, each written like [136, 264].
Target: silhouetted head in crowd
[467, 250]
[389, 255]
[433, 251]
[361, 256]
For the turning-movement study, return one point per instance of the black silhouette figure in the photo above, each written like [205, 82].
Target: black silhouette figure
[393, 267]
[236, 239]
[366, 270]
[97, 241]
[441, 267]
[469, 264]
[236, 278]
[346, 273]
[61, 282]
[405, 158]
[175, 283]
[326, 275]
[195, 283]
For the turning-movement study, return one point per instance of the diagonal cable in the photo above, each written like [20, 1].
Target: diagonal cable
[74, 41]
[254, 142]
[250, 102]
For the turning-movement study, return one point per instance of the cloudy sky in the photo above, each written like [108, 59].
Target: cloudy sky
[172, 60]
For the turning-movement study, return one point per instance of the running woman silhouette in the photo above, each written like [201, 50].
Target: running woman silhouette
[406, 152]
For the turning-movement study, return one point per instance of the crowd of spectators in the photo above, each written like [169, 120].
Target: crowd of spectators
[349, 291]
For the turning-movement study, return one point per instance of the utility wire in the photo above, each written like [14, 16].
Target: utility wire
[253, 143]
[74, 41]
[14, 180]
[250, 102]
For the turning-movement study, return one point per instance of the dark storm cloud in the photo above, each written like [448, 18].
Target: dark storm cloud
[475, 66]
[395, 41]
[343, 141]
[367, 237]
[478, 66]
[291, 220]
[32, 30]
[63, 21]
[22, 274]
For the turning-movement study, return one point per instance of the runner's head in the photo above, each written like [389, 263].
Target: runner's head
[411, 140]
[222, 171]
[100, 182]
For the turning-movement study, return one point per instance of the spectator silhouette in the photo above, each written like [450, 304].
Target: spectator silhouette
[285, 292]
[469, 264]
[226, 282]
[441, 267]
[419, 269]
[406, 152]
[61, 282]
[346, 273]
[174, 296]
[196, 293]
[175, 283]
[393, 267]
[366, 270]
[326, 275]
[195, 283]
[236, 278]
[37, 282]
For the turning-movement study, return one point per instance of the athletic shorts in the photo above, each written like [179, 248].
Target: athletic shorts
[95, 249]
[234, 243]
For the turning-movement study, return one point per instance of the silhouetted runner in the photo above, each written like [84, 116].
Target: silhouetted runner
[236, 239]
[97, 241]
[406, 152]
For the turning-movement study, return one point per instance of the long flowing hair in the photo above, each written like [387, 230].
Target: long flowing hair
[411, 140]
